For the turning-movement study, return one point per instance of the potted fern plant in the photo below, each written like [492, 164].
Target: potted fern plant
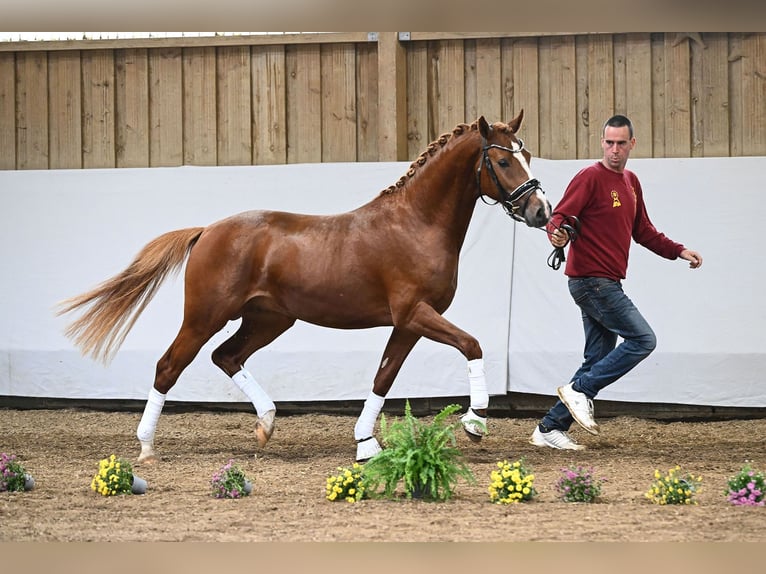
[424, 457]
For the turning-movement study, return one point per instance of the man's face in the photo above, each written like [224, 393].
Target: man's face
[617, 143]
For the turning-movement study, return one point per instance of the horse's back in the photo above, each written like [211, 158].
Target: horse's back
[255, 239]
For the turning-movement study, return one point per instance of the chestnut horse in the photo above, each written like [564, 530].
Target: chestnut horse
[391, 262]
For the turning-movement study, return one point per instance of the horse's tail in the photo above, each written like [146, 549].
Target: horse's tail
[116, 304]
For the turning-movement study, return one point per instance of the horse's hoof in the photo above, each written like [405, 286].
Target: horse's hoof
[474, 425]
[149, 459]
[366, 449]
[474, 438]
[264, 428]
[147, 455]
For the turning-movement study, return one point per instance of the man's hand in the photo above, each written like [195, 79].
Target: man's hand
[560, 238]
[694, 258]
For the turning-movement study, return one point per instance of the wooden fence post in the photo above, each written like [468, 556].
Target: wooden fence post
[392, 98]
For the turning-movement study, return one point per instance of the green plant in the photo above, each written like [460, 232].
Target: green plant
[114, 476]
[424, 457]
[578, 485]
[12, 474]
[348, 485]
[673, 488]
[230, 482]
[747, 487]
[512, 482]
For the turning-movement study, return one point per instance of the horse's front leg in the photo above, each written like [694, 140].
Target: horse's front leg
[427, 322]
[475, 419]
[399, 345]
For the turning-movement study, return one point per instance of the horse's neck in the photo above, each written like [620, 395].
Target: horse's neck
[445, 192]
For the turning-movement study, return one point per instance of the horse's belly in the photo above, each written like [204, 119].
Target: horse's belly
[341, 311]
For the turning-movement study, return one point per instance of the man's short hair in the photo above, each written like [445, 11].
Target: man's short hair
[618, 121]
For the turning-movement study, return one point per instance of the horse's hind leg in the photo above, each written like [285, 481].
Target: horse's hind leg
[258, 329]
[181, 352]
[399, 345]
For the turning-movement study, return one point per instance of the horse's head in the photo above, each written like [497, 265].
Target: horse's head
[503, 173]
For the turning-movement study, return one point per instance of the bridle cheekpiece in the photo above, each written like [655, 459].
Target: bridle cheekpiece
[515, 202]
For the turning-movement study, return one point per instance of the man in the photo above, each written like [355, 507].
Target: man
[608, 201]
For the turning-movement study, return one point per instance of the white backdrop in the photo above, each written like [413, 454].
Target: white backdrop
[61, 232]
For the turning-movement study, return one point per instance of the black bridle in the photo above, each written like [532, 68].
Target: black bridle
[515, 202]
[570, 223]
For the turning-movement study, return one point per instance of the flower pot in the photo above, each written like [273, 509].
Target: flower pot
[29, 482]
[137, 485]
[421, 491]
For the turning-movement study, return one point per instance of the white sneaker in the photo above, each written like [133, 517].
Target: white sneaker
[580, 407]
[554, 439]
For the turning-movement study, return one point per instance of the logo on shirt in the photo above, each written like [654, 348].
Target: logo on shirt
[615, 199]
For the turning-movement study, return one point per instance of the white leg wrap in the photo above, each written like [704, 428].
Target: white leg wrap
[478, 384]
[152, 411]
[254, 392]
[366, 449]
[474, 424]
[366, 421]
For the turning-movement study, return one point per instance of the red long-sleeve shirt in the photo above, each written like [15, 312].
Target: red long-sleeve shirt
[611, 210]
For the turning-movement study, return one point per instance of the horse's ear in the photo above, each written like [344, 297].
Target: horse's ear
[483, 127]
[515, 123]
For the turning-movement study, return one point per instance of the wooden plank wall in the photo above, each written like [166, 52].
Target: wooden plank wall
[352, 97]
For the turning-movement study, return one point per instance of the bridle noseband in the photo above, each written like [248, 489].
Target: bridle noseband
[509, 201]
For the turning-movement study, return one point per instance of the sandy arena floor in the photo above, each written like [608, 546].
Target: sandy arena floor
[61, 449]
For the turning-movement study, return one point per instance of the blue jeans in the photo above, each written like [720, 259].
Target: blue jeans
[606, 314]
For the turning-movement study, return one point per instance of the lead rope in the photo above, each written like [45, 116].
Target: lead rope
[571, 225]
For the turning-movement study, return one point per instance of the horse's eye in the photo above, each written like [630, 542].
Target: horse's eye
[503, 163]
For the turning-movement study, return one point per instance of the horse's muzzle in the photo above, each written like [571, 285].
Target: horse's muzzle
[538, 210]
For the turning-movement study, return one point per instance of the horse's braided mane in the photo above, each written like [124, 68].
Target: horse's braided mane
[431, 150]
